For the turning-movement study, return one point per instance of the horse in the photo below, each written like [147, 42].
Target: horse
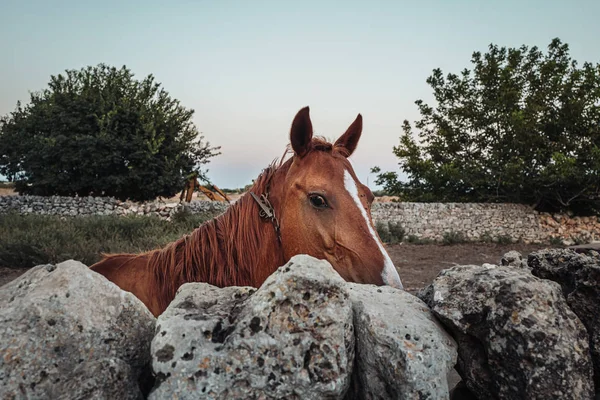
[309, 202]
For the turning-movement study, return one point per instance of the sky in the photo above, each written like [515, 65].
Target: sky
[247, 67]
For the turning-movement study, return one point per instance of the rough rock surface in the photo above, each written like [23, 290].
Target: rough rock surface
[517, 337]
[514, 259]
[402, 352]
[293, 338]
[579, 278]
[67, 332]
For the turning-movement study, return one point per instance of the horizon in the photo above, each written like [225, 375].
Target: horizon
[246, 69]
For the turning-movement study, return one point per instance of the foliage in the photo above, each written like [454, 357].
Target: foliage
[390, 232]
[98, 131]
[486, 237]
[504, 239]
[521, 126]
[453, 237]
[414, 239]
[29, 240]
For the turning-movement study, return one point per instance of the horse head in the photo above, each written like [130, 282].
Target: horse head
[325, 211]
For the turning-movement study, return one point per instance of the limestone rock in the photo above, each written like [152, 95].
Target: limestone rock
[402, 352]
[514, 259]
[517, 337]
[67, 332]
[579, 278]
[293, 338]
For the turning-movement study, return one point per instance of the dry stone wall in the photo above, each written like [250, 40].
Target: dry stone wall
[81, 206]
[474, 221]
[480, 222]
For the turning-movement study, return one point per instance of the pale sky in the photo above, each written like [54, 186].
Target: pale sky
[246, 67]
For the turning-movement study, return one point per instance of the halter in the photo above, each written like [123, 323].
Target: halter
[266, 209]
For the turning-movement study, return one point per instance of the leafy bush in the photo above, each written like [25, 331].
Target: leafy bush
[29, 240]
[452, 237]
[504, 239]
[413, 239]
[390, 232]
[520, 126]
[486, 238]
[99, 131]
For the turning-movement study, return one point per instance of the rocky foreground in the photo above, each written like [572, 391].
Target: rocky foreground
[523, 329]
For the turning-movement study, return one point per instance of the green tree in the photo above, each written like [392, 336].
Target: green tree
[521, 126]
[98, 131]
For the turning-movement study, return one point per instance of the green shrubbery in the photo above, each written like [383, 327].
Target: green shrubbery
[29, 240]
[390, 232]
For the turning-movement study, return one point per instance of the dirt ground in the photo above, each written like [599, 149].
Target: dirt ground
[417, 265]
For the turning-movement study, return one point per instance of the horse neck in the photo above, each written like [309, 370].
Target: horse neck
[238, 248]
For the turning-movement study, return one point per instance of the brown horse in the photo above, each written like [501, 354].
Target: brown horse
[312, 203]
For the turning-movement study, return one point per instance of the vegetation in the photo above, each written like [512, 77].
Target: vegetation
[504, 239]
[521, 126]
[99, 131]
[390, 233]
[453, 237]
[29, 240]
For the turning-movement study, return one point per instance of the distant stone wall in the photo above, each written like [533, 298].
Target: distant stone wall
[81, 206]
[478, 222]
[474, 221]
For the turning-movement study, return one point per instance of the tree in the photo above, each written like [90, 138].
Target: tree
[521, 127]
[98, 131]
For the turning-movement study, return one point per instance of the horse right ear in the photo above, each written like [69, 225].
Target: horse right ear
[301, 133]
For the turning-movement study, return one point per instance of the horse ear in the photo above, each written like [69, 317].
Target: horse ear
[302, 132]
[349, 140]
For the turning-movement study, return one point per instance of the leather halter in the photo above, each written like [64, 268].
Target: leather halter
[266, 210]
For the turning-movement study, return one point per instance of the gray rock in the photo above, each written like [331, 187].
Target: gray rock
[517, 337]
[514, 259]
[402, 352]
[293, 338]
[579, 278]
[67, 332]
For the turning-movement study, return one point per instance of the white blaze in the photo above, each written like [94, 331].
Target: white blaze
[390, 275]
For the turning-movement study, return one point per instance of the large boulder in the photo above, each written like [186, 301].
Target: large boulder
[68, 333]
[293, 338]
[402, 352]
[579, 278]
[517, 337]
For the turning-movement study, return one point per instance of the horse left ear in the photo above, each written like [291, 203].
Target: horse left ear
[349, 140]
[302, 132]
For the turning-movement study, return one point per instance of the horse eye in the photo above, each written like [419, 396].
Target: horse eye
[318, 201]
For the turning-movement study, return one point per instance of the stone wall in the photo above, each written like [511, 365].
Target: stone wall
[474, 221]
[81, 206]
[484, 222]
[526, 328]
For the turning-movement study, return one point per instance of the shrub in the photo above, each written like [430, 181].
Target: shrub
[391, 232]
[486, 238]
[453, 237]
[504, 239]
